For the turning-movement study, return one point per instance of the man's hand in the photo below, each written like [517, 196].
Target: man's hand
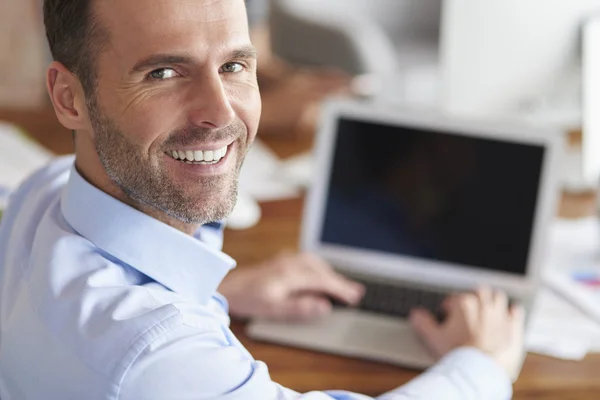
[287, 287]
[482, 320]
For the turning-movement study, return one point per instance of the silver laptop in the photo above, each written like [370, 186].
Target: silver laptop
[417, 207]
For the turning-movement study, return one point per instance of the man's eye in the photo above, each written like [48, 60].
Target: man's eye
[163, 73]
[232, 67]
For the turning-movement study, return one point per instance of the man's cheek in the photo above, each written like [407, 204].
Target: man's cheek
[153, 112]
[146, 129]
[251, 115]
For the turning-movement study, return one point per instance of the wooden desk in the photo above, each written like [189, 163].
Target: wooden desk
[542, 377]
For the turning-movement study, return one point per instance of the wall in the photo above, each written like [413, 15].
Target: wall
[23, 55]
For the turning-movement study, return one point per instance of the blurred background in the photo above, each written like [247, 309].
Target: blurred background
[489, 59]
[532, 61]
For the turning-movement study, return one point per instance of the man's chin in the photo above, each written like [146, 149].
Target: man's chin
[214, 207]
[200, 200]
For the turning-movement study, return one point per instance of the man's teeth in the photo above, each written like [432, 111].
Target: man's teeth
[211, 156]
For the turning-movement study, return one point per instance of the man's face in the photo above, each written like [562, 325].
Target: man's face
[177, 104]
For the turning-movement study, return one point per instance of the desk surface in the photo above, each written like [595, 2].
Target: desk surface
[542, 377]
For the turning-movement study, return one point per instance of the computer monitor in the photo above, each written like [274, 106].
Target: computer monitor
[439, 195]
[514, 58]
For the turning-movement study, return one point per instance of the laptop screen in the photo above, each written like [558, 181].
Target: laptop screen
[439, 196]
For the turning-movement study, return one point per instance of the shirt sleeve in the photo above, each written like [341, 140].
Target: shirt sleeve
[187, 363]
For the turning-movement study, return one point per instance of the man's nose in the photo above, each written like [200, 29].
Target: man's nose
[211, 106]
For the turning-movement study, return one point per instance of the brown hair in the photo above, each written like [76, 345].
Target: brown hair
[75, 37]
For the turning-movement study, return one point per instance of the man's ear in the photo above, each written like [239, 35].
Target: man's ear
[67, 96]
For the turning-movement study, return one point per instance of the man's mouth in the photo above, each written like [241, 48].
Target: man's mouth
[202, 157]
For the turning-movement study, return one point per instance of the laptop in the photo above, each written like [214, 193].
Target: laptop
[418, 206]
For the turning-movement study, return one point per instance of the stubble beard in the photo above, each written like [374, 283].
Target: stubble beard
[145, 181]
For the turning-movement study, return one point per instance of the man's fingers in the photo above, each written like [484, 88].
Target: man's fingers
[485, 295]
[427, 327]
[466, 307]
[321, 277]
[314, 263]
[340, 288]
[304, 307]
[517, 312]
[468, 303]
[500, 300]
[450, 302]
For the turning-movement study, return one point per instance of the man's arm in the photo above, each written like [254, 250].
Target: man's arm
[199, 359]
[187, 364]
[479, 344]
[463, 374]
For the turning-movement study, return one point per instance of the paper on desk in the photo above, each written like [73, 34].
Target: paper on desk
[558, 329]
[261, 176]
[19, 157]
[299, 169]
[574, 241]
[573, 265]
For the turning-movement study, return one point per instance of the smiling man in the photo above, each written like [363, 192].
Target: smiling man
[111, 262]
[170, 104]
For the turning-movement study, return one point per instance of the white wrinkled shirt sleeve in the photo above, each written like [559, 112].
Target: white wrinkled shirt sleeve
[187, 363]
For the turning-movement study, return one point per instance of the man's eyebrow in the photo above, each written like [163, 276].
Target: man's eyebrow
[244, 52]
[161, 59]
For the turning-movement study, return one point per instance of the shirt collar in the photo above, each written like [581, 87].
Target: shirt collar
[177, 261]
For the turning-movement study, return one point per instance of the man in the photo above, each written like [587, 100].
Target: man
[110, 262]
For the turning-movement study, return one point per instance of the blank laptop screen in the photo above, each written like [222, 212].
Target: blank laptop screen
[440, 196]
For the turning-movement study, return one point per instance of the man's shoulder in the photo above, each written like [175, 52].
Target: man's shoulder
[92, 337]
[101, 308]
[72, 304]
[33, 206]
[106, 312]
[83, 311]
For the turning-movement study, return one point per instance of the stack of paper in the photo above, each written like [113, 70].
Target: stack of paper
[566, 319]
[19, 157]
[557, 328]
[574, 264]
[263, 178]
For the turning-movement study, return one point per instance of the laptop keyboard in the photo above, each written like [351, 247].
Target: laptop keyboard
[397, 301]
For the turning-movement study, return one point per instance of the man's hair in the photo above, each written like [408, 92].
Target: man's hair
[75, 37]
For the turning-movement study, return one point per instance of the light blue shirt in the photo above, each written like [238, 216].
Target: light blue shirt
[100, 301]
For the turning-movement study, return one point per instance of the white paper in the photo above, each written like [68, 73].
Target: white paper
[571, 241]
[575, 249]
[559, 325]
[558, 329]
[299, 169]
[19, 157]
[261, 176]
